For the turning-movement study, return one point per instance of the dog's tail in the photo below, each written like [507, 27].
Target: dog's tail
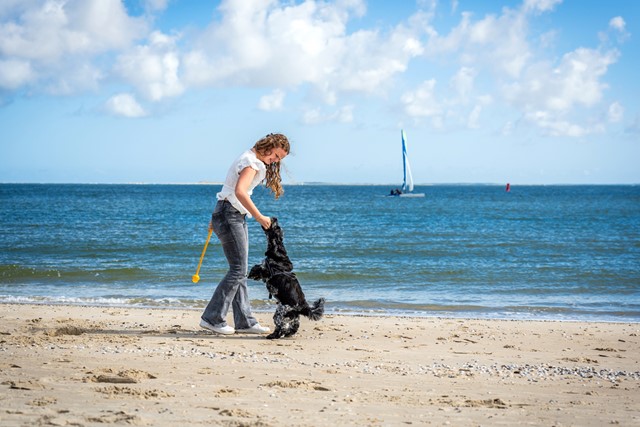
[315, 312]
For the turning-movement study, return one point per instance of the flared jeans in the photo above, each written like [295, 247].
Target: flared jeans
[231, 228]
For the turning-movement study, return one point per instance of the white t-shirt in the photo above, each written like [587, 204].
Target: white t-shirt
[246, 159]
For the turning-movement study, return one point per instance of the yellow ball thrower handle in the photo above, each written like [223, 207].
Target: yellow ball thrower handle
[196, 278]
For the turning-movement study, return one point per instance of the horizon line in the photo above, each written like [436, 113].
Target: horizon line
[319, 183]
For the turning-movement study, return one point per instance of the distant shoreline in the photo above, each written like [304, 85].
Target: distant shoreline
[336, 184]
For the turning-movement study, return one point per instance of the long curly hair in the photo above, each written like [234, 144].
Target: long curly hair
[264, 146]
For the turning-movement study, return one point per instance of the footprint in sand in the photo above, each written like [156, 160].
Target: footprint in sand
[43, 401]
[240, 413]
[226, 392]
[309, 385]
[117, 391]
[129, 376]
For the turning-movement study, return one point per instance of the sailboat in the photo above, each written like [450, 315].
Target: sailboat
[407, 181]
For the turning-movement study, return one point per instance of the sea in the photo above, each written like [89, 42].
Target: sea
[554, 252]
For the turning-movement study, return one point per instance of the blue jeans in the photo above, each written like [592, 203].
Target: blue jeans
[231, 228]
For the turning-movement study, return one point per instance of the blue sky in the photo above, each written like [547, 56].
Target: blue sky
[162, 91]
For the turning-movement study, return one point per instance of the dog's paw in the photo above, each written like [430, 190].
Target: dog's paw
[278, 333]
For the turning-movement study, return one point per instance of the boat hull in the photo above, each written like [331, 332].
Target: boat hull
[406, 195]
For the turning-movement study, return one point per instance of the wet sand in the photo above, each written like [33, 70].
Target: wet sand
[90, 366]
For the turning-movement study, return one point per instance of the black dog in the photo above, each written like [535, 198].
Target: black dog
[282, 283]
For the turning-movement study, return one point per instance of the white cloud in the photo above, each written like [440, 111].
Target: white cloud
[57, 46]
[617, 23]
[153, 68]
[538, 6]
[125, 105]
[102, 25]
[554, 126]
[156, 5]
[422, 101]
[575, 81]
[273, 101]
[615, 114]
[261, 43]
[548, 96]
[507, 129]
[315, 116]
[552, 97]
[50, 30]
[473, 121]
[15, 73]
[56, 38]
[497, 43]
[462, 82]
[265, 43]
[82, 76]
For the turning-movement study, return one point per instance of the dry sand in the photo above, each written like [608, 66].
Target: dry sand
[81, 366]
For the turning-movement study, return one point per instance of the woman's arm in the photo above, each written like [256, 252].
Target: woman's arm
[244, 181]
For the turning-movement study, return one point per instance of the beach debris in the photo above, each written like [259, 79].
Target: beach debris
[129, 376]
[43, 401]
[308, 385]
[113, 417]
[112, 379]
[24, 385]
[241, 413]
[609, 349]
[471, 403]
[67, 330]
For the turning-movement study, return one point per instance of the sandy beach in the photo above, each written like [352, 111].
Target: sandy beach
[81, 366]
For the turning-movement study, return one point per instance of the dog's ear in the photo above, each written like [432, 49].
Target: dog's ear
[258, 272]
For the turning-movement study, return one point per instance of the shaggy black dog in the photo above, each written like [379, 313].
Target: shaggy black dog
[282, 283]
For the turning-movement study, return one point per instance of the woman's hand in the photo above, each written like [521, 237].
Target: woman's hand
[264, 221]
[210, 225]
[244, 180]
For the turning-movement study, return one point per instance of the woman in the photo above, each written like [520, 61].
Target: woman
[261, 163]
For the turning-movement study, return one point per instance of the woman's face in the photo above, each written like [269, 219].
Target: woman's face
[274, 155]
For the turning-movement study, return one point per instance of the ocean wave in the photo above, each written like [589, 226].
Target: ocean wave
[18, 274]
[105, 301]
[353, 307]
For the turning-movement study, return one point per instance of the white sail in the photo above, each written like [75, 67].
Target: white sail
[407, 184]
[407, 181]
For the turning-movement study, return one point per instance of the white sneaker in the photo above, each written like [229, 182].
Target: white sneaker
[255, 329]
[224, 330]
